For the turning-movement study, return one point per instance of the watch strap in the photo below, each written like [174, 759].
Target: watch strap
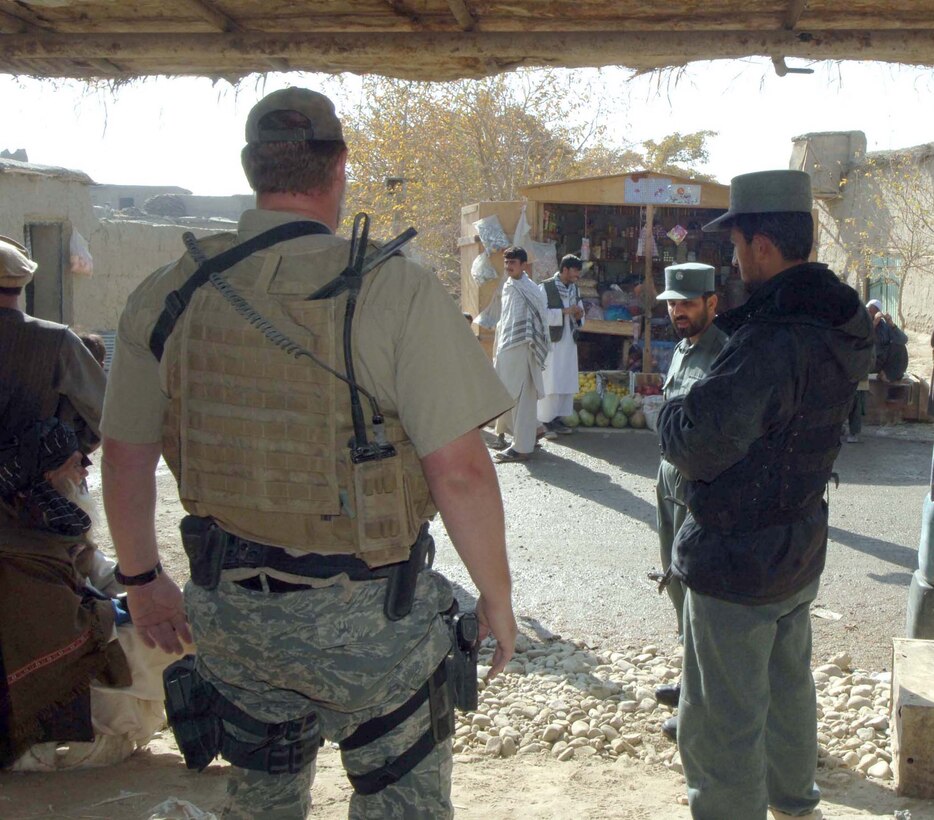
[137, 580]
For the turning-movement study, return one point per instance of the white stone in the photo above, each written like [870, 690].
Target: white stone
[842, 660]
[880, 771]
[494, 747]
[508, 748]
[580, 728]
[866, 762]
[552, 733]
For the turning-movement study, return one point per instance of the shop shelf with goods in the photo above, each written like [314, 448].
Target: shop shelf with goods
[628, 227]
[632, 226]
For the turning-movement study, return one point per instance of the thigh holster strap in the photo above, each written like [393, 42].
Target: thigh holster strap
[435, 691]
[287, 747]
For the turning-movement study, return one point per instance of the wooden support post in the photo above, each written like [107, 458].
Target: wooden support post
[648, 290]
[913, 717]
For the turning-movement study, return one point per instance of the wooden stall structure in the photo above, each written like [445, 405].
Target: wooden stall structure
[628, 227]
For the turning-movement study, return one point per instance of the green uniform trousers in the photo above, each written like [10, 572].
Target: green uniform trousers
[670, 516]
[747, 721]
[329, 650]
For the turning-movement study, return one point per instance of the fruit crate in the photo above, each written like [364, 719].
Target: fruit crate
[615, 380]
[637, 380]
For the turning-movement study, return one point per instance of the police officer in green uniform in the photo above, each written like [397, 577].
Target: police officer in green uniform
[307, 512]
[692, 307]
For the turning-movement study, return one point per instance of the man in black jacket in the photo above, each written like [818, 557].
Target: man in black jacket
[756, 440]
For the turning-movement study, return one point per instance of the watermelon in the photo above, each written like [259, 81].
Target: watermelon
[571, 421]
[601, 420]
[610, 404]
[591, 402]
[586, 418]
[637, 419]
[620, 420]
[627, 405]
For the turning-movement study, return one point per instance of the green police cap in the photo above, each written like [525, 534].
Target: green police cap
[688, 281]
[766, 192]
[323, 123]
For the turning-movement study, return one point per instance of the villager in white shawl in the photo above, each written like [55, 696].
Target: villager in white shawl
[565, 312]
[520, 355]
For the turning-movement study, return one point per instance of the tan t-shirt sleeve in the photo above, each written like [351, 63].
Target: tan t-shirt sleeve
[134, 405]
[445, 385]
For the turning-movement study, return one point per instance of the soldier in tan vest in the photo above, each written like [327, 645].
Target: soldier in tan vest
[299, 520]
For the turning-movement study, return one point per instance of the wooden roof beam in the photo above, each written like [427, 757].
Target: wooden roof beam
[462, 14]
[793, 14]
[400, 8]
[217, 18]
[443, 56]
[16, 15]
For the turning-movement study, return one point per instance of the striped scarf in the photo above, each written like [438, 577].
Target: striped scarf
[523, 318]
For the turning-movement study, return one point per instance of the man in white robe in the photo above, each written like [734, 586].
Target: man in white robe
[565, 313]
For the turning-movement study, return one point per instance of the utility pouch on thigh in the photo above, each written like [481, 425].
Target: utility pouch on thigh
[441, 703]
[189, 708]
[203, 541]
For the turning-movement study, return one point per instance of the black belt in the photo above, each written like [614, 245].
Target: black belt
[239, 553]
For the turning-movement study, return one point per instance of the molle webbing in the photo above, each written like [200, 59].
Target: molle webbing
[258, 439]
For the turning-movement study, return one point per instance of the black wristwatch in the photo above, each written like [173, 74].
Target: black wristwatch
[137, 580]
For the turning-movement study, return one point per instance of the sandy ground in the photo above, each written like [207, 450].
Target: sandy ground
[521, 787]
[534, 788]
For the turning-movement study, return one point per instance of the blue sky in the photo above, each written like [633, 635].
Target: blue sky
[189, 132]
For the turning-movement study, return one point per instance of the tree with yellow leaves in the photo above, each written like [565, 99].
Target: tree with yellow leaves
[418, 152]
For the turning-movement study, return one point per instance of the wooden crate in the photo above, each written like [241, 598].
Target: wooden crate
[913, 717]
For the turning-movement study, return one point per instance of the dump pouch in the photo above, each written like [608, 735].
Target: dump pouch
[400, 586]
[203, 541]
[189, 709]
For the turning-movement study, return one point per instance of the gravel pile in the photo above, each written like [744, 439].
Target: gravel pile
[567, 700]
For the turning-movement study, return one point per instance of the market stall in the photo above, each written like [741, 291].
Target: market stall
[627, 228]
[630, 227]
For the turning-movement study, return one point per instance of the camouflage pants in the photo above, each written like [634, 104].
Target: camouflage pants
[329, 650]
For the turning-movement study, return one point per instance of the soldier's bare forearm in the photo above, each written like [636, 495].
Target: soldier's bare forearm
[129, 481]
[464, 487]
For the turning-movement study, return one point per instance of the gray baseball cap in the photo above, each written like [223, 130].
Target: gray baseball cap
[688, 281]
[323, 123]
[766, 192]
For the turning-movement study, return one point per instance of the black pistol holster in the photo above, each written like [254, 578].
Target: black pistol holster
[462, 659]
[196, 711]
[204, 543]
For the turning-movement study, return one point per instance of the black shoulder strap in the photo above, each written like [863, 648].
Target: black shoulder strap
[177, 300]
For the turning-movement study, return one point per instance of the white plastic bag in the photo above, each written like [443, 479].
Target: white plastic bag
[523, 230]
[543, 257]
[489, 316]
[491, 233]
[482, 269]
[80, 260]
